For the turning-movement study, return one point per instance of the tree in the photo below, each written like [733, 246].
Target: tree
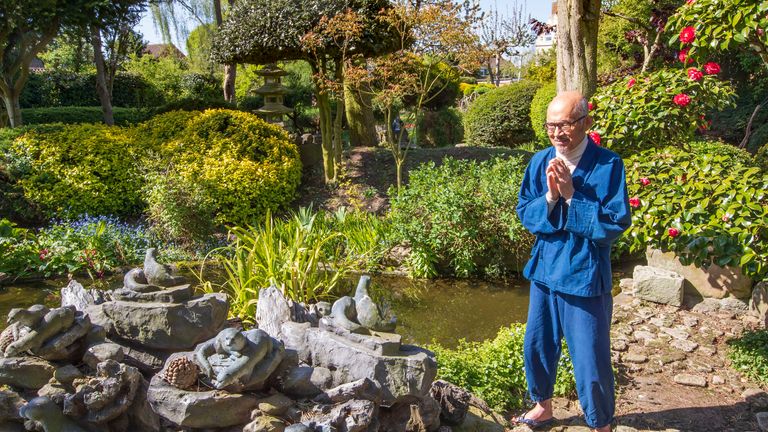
[577, 26]
[199, 47]
[501, 35]
[26, 27]
[262, 32]
[705, 25]
[435, 40]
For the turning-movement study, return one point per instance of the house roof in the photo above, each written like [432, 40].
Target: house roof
[163, 50]
[36, 64]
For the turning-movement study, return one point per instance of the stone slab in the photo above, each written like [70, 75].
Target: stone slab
[25, 372]
[658, 285]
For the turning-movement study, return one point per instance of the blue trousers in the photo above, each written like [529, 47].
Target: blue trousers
[585, 322]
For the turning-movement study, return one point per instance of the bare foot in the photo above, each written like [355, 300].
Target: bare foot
[541, 412]
[606, 428]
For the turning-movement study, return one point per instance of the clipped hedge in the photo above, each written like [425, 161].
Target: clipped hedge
[77, 169]
[707, 207]
[501, 117]
[539, 106]
[440, 128]
[83, 114]
[229, 162]
[459, 218]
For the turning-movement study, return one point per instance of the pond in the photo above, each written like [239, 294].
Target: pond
[440, 310]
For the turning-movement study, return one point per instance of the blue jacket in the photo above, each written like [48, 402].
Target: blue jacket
[572, 253]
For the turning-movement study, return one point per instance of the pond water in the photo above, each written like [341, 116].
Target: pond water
[441, 310]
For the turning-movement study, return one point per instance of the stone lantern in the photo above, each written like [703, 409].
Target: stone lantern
[272, 91]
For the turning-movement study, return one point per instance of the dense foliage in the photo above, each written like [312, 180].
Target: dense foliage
[459, 218]
[83, 114]
[749, 355]
[657, 109]
[539, 106]
[77, 169]
[233, 166]
[440, 128]
[677, 207]
[493, 370]
[501, 117]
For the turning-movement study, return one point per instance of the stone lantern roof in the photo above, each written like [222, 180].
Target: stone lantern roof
[273, 91]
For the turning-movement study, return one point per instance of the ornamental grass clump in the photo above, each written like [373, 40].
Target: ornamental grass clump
[709, 207]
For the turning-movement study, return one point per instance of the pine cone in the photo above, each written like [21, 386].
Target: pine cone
[6, 338]
[181, 373]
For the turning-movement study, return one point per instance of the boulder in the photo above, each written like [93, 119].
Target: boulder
[453, 402]
[101, 352]
[275, 405]
[74, 294]
[10, 403]
[168, 326]
[265, 423]
[410, 373]
[416, 415]
[273, 310]
[658, 285]
[713, 281]
[25, 372]
[199, 409]
[758, 304]
[305, 381]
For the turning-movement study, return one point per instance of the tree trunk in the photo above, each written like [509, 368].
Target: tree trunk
[498, 69]
[230, 74]
[326, 133]
[362, 126]
[13, 108]
[577, 24]
[338, 141]
[101, 76]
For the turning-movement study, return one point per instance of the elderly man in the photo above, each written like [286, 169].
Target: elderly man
[574, 200]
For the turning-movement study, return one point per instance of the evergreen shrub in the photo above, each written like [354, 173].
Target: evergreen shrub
[539, 106]
[501, 117]
[459, 218]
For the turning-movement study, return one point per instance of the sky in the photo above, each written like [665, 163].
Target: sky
[538, 9]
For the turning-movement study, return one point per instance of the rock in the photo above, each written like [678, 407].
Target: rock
[54, 391]
[67, 374]
[707, 306]
[684, 345]
[690, 380]
[273, 310]
[717, 380]
[408, 374]
[758, 304]
[757, 398]
[177, 294]
[306, 381]
[412, 416]
[690, 321]
[619, 345]
[732, 304]
[658, 285]
[299, 427]
[106, 396]
[670, 357]
[635, 358]
[354, 416]
[204, 409]
[25, 372]
[148, 361]
[275, 405]
[265, 424]
[762, 421]
[75, 295]
[627, 285]
[477, 420]
[10, 403]
[680, 333]
[140, 414]
[168, 326]
[48, 415]
[361, 389]
[644, 336]
[707, 351]
[714, 281]
[453, 401]
[103, 352]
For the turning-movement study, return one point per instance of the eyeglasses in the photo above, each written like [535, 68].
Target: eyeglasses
[565, 126]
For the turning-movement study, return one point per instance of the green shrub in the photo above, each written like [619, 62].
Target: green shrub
[236, 162]
[501, 117]
[721, 148]
[493, 370]
[440, 128]
[539, 106]
[761, 158]
[459, 218]
[81, 114]
[749, 355]
[18, 249]
[77, 169]
[639, 112]
[717, 204]
[192, 103]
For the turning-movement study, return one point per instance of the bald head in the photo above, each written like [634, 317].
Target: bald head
[570, 111]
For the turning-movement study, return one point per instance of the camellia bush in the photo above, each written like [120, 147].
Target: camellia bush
[707, 208]
[658, 108]
[459, 218]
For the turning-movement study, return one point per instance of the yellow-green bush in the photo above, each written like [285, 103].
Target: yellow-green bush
[230, 162]
[77, 169]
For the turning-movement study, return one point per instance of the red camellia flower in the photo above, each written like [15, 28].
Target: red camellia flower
[690, 1]
[595, 137]
[673, 232]
[695, 74]
[683, 56]
[726, 218]
[634, 202]
[645, 181]
[591, 106]
[631, 82]
[712, 68]
[688, 34]
[43, 254]
[681, 99]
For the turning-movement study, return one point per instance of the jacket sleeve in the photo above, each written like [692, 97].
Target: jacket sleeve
[532, 205]
[602, 221]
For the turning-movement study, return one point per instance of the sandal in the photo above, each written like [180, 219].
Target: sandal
[534, 424]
